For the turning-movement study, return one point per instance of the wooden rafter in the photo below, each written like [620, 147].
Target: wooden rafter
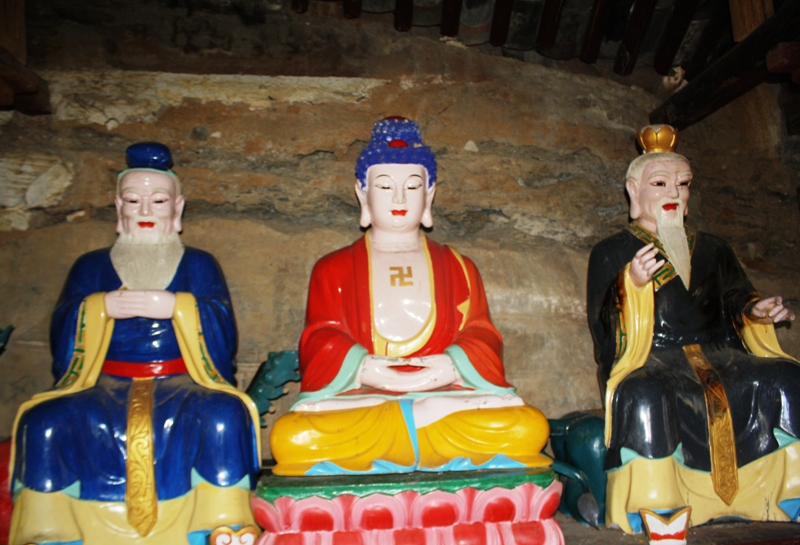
[735, 73]
[638, 23]
[674, 32]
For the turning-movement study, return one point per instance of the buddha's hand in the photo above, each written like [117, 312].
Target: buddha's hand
[644, 265]
[769, 311]
[408, 374]
[155, 304]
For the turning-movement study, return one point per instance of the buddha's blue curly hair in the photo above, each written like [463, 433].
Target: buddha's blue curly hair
[396, 140]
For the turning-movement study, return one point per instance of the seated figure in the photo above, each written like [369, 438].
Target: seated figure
[702, 406]
[143, 438]
[401, 366]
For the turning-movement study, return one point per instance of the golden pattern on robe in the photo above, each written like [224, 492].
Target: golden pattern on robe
[140, 493]
[721, 439]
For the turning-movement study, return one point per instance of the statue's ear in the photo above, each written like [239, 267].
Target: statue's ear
[118, 205]
[633, 193]
[427, 213]
[366, 215]
[180, 202]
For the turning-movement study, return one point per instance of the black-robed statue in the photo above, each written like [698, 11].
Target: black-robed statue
[702, 406]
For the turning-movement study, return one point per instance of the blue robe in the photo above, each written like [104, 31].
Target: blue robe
[76, 443]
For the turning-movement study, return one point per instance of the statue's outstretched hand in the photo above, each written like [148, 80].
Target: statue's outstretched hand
[644, 265]
[155, 304]
[769, 311]
[434, 372]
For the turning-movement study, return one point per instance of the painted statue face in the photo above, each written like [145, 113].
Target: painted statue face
[397, 198]
[662, 190]
[147, 204]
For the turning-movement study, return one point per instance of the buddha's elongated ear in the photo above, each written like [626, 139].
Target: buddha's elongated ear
[366, 214]
[427, 214]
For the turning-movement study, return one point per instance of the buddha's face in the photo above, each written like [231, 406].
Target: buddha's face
[148, 204]
[397, 198]
[661, 194]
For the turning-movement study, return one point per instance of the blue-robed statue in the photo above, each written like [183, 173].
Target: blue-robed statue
[144, 435]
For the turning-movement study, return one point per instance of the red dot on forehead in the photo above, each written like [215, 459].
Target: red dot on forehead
[397, 143]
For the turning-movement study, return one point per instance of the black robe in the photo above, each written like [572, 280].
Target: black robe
[661, 405]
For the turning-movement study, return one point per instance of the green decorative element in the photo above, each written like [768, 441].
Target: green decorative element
[208, 367]
[78, 354]
[280, 368]
[471, 377]
[272, 487]
[783, 438]
[4, 335]
[622, 335]
[344, 380]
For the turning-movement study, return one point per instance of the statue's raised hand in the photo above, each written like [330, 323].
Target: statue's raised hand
[644, 265]
[769, 311]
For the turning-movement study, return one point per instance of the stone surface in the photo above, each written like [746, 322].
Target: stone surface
[30, 180]
[266, 121]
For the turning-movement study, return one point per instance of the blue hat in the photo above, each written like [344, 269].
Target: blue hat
[396, 140]
[152, 156]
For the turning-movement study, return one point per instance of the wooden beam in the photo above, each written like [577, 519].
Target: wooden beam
[14, 74]
[6, 95]
[784, 58]
[501, 21]
[451, 18]
[548, 25]
[12, 28]
[37, 103]
[403, 15]
[635, 32]
[748, 15]
[735, 73]
[682, 13]
[595, 30]
[718, 24]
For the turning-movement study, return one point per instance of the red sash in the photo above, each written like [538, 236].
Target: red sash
[143, 370]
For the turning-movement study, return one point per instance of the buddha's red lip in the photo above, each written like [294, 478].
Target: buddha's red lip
[670, 206]
[146, 224]
[399, 212]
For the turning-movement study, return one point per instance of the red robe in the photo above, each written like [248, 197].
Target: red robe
[338, 315]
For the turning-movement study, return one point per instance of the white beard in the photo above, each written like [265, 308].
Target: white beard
[146, 262]
[672, 235]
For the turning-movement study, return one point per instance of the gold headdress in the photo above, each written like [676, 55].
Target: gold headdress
[658, 138]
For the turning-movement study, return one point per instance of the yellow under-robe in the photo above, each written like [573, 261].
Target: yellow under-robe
[354, 438]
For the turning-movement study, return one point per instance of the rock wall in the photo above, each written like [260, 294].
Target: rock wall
[531, 165]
